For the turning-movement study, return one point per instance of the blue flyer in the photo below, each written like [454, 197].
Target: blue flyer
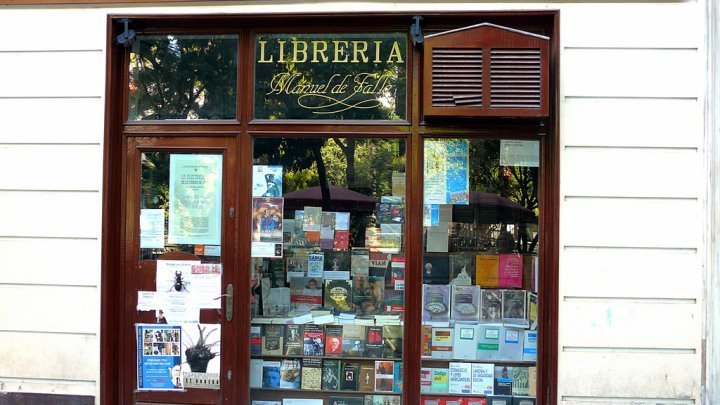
[456, 174]
[159, 357]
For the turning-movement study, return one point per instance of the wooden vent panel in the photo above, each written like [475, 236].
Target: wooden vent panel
[515, 78]
[457, 77]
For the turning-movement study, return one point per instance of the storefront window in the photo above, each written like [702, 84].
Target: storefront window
[328, 269]
[480, 271]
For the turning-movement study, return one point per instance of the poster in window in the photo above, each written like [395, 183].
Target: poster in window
[152, 228]
[446, 172]
[267, 227]
[267, 181]
[159, 357]
[515, 152]
[195, 199]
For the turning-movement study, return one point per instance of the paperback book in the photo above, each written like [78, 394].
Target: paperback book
[368, 294]
[290, 374]
[462, 269]
[440, 382]
[435, 270]
[256, 340]
[366, 380]
[271, 374]
[503, 380]
[333, 340]
[465, 341]
[379, 264]
[312, 219]
[442, 342]
[392, 341]
[338, 295]
[436, 303]
[353, 341]
[360, 261]
[337, 261]
[460, 378]
[330, 375]
[347, 401]
[398, 373]
[385, 400]
[374, 342]
[465, 303]
[510, 269]
[349, 381]
[306, 293]
[486, 270]
[316, 263]
[294, 340]
[514, 306]
[384, 376]
[311, 374]
[314, 340]
[490, 305]
[483, 378]
[520, 381]
[394, 300]
[272, 340]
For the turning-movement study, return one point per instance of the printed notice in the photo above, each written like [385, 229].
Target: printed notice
[267, 181]
[152, 228]
[159, 357]
[446, 179]
[519, 153]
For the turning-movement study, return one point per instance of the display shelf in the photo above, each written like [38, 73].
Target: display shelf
[503, 362]
[300, 356]
[446, 394]
[342, 392]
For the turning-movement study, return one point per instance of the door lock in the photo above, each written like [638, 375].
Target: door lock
[229, 302]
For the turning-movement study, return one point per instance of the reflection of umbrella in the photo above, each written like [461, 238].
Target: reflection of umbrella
[341, 199]
[486, 208]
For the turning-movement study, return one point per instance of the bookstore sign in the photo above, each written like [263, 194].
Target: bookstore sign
[331, 76]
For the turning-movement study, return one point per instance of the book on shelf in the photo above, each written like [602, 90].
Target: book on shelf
[486, 270]
[440, 382]
[431, 401]
[510, 269]
[313, 340]
[488, 341]
[462, 269]
[520, 381]
[436, 304]
[276, 301]
[514, 307]
[532, 310]
[394, 300]
[271, 374]
[302, 401]
[368, 294]
[397, 272]
[390, 213]
[500, 400]
[511, 344]
[349, 376]
[490, 305]
[442, 342]
[503, 380]
[338, 295]
[336, 400]
[392, 341]
[333, 340]
[256, 373]
[523, 400]
[374, 343]
[398, 374]
[465, 303]
[311, 374]
[316, 263]
[273, 339]
[437, 237]
[312, 220]
[465, 342]
[294, 340]
[529, 345]
[366, 372]
[483, 378]
[360, 261]
[342, 240]
[386, 400]
[459, 378]
[290, 374]
[384, 375]
[337, 260]
[453, 401]
[255, 340]
[330, 375]
[379, 264]
[435, 270]
[327, 238]
[353, 341]
[426, 380]
[532, 381]
[427, 341]
[255, 402]
[475, 401]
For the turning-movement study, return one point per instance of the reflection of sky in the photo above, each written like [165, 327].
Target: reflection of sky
[456, 166]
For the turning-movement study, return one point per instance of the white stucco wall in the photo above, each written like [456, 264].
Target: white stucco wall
[632, 211]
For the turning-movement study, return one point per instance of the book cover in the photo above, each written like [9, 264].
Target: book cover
[330, 375]
[360, 261]
[475, 401]
[527, 272]
[271, 374]
[278, 301]
[520, 381]
[436, 303]
[521, 400]
[425, 380]
[302, 401]
[312, 239]
[311, 374]
[465, 342]
[290, 374]
[368, 294]
[442, 342]
[435, 270]
[392, 341]
[386, 400]
[532, 310]
[500, 400]
[384, 375]
[379, 264]
[347, 401]
[390, 213]
[338, 295]
[529, 345]
[349, 381]
[333, 340]
[353, 341]
[337, 260]
[394, 300]
[272, 340]
[255, 340]
[490, 305]
[486, 270]
[503, 380]
[342, 221]
[374, 341]
[312, 219]
[488, 341]
[313, 340]
[427, 341]
[298, 236]
[462, 269]
[267, 219]
[397, 272]
[316, 263]
[532, 381]
[459, 378]
[511, 344]
[510, 268]
[256, 371]
[398, 374]
[327, 238]
[266, 403]
[267, 181]
[367, 377]
[437, 237]
[294, 340]
[342, 240]
[465, 303]
[440, 382]
[483, 379]
[306, 293]
[514, 306]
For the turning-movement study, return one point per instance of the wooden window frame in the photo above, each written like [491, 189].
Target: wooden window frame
[416, 128]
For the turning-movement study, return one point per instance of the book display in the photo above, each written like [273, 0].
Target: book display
[330, 317]
[479, 273]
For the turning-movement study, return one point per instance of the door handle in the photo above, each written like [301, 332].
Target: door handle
[229, 302]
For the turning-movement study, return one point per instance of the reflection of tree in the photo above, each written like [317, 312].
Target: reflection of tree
[181, 77]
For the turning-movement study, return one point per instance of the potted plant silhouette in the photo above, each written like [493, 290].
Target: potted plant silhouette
[199, 354]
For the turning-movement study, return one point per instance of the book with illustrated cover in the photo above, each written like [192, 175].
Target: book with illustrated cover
[442, 342]
[490, 305]
[394, 300]
[312, 239]
[398, 373]
[462, 269]
[374, 343]
[311, 374]
[271, 374]
[388, 213]
[435, 270]
[273, 339]
[520, 381]
[313, 340]
[327, 238]
[514, 306]
[385, 400]
[333, 340]
[312, 219]
[316, 263]
[397, 272]
[255, 340]
[465, 303]
[330, 375]
[298, 236]
[532, 310]
[290, 374]
[503, 380]
[349, 376]
[360, 261]
[368, 294]
[510, 269]
[379, 264]
[427, 341]
[306, 293]
[384, 375]
[436, 303]
[347, 401]
[338, 295]
[294, 340]
[460, 378]
[337, 260]
[342, 240]
[366, 381]
[486, 270]
[392, 341]
[353, 340]
[483, 378]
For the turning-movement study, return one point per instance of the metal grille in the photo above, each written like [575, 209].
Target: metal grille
[457, 77]
[515, 78]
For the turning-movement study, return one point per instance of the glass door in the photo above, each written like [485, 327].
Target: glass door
[178, 321]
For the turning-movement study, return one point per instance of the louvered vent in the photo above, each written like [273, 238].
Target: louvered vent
[515, 76]
[457, 77]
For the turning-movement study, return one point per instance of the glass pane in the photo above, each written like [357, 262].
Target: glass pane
[328, 270]
[181, 205]
[480, 270]
[183, 78]
[331, 76]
